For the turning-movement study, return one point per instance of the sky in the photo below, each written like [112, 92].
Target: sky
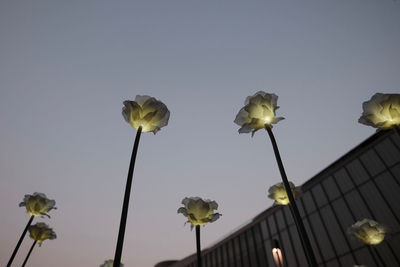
[67, 66]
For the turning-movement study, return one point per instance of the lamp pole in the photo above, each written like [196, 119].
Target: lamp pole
[124, 214]
[295, 211]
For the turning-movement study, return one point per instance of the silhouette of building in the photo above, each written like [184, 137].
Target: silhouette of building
[364, 183]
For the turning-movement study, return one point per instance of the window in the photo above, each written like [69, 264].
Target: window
[224, 250]
[322, 237]
[300, 206]
[251, 248]
[207, 260]
[264, 230]
[386, 255]
[345, 220]
[396, 172]
[287, 249]
[331, 188]
[231, 253]
[375, 202]
[219, 256]
[319, 195]
[308, 202]
[334, 230]
[288, 215]
[332, 263]
[279, 219]
[343, 180]
[244, 249]
[357, 206]
[314, 244]
[372, 162]
[213, 257]
[347, 260]
[390, 190]
[259, 243]
[271, 224]
[364, 257]
[388, 151]
[357, 172]
[298, 247]
[238, 254]
[396, 139]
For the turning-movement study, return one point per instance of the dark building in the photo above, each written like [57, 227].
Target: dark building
[364, 183]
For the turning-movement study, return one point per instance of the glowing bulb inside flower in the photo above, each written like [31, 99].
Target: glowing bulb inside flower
[267, 120]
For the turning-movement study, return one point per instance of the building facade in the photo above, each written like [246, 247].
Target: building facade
[364, 183]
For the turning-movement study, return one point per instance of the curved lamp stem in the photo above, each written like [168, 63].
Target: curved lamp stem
[20, 241]
[29, 253]
[295, 211]
[124, 214]
[198, 246]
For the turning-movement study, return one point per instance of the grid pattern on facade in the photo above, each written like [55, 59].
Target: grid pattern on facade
[366, 185]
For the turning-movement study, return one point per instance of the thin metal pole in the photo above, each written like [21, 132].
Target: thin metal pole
[198, 246]
[20, 241]
[29, 253]
[124, 214]
[295, 211]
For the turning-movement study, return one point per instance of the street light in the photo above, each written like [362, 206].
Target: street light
[277, 253]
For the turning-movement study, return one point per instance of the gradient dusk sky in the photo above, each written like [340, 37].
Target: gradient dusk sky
[67, 66]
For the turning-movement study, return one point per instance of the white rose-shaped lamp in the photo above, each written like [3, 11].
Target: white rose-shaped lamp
[37, 205]
[278, 193]
[382, 111]
[110, 263]
[259, 113]
[145, 114]
[199, 212]
[368, 231]
[38, 233]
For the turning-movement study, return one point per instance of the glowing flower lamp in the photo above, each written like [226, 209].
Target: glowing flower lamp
[199, 212]
[145, 114]
[109, 263]
[368, 231]
[259, 113]
[278, 193]
[37, 205]
[39, 232]
[382, 111]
